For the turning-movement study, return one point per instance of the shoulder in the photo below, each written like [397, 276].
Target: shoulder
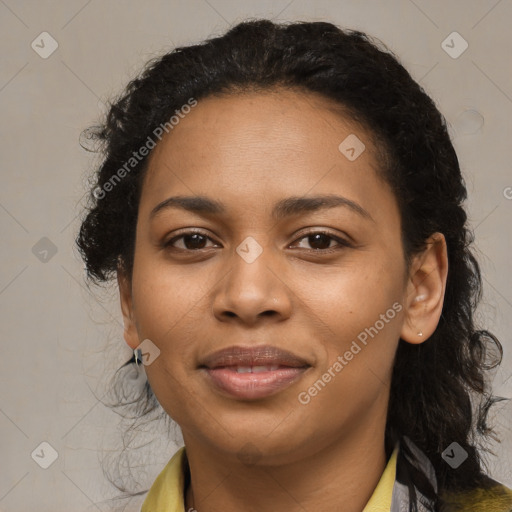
[167, 490]
[492, 497]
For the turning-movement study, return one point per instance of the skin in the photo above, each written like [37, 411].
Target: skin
[249, 151]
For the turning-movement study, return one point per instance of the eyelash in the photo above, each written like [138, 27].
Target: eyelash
[342, 243]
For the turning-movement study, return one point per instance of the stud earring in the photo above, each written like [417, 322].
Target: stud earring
[419, 298]
[420, 334]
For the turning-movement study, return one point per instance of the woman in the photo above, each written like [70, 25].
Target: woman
[283, 209]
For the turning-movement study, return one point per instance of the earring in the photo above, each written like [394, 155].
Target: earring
[137, 354]
[419, 298]
[420, 334]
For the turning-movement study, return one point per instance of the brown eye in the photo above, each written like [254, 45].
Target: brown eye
[194, 241]
[321, 241]
[190, 241]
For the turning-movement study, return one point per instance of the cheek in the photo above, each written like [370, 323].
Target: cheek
[359, 315]
[351, 296]
[354, 369]
[165, 296]
[166, 315]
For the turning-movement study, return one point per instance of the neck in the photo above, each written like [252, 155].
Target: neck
[345, 473]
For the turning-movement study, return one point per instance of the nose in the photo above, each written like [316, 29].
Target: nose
[253, 291]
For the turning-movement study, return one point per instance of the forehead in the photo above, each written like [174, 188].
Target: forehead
[261, 143]
[274, 119]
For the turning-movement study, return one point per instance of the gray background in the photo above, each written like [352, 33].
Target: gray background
[61, 341]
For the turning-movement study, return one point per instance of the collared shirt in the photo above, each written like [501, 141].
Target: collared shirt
[167, 492]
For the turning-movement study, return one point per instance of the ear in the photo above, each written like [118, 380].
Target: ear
[425, 290]
[125, 294]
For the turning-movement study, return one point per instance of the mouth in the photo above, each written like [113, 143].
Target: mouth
[250, 373]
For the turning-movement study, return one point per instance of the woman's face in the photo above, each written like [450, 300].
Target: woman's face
[260, 274]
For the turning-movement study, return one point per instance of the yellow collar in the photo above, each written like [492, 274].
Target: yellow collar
[166, 493]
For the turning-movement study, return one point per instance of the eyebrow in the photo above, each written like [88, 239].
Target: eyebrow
[288, 207]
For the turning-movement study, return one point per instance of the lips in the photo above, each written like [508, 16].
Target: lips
[265, 355]
[252, 372]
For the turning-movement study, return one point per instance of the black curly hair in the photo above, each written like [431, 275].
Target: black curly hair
[439, 390]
